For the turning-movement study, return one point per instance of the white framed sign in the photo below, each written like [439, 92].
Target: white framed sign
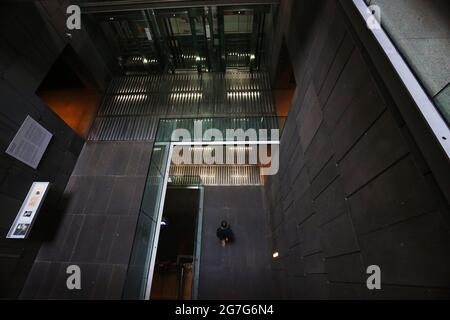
[21, 227]
[29, 143]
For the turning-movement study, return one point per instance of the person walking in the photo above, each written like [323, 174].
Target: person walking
[224, 233]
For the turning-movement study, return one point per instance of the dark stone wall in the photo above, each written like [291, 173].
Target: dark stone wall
[26, 55]
[16, 178]
[32, 36]
[241, 270]
[353, 189]
[95, 224]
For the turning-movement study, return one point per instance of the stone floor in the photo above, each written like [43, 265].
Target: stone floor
[240, 270]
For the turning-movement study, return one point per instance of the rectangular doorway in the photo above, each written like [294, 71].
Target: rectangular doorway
[176, 269]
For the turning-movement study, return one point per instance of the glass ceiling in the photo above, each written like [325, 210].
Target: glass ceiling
[205, 39]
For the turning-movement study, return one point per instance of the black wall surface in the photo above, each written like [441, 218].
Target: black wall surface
[32, 35]
[26, 54]
[96, 224]
[241, 270]
[16, 178]
[353, 189]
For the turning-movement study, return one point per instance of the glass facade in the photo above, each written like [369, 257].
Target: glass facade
[141, 255]
[144, 247]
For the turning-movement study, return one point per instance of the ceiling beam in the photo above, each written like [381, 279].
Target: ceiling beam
[194, 36]
[132, 5]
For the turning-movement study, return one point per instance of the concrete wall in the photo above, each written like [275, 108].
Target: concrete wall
[420, 30]
[32, 35]
[353, 189]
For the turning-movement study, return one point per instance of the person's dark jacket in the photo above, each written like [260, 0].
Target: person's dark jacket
[224, 233]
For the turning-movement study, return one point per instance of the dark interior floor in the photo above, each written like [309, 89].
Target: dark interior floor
[241, 270]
